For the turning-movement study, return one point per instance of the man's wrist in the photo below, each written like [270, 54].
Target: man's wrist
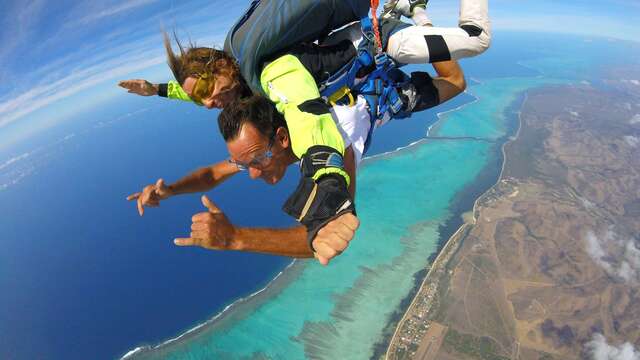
[237, 241]
[322, 160]
[314, 204]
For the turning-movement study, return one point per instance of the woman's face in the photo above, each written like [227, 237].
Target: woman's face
[212, 92]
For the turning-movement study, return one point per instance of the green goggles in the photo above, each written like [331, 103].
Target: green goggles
[203, 88]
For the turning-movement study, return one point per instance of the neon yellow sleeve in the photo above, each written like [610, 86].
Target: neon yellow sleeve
[288, 84]
[174, 91]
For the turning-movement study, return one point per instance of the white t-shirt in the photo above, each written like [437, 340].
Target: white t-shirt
[354, 124]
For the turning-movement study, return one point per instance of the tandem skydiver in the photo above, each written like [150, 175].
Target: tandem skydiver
[306, 117]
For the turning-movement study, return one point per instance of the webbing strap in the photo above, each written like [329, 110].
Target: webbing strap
[346, 76]
[376, 28]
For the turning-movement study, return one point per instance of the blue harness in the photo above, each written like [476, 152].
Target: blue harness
[379, 88]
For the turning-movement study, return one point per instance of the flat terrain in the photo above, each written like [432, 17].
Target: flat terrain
[430, 343]
[553, 256]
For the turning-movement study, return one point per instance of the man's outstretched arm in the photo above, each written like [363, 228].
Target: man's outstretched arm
[200, 180]
[213, 230]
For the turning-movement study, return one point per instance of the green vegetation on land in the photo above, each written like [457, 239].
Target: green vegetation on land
[477, 347]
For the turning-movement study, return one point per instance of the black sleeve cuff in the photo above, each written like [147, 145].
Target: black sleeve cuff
[162, 90]
[314, 204]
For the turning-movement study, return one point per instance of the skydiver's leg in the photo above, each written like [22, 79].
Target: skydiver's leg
[413, 9]
[423, 92]
[426, 44]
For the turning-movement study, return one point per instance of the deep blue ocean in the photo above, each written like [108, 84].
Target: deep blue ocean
[82, 276]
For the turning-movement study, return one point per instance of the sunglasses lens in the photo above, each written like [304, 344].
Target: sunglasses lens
[202, 89]
[240, 167]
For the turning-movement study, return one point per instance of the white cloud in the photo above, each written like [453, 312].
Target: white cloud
[617, 256]
[24, 16]
[120, 8]
[632, 140]
[635, 119]
[45, 94]
[599, 349]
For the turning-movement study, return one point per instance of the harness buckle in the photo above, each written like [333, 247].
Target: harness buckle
[334, 98]
[381, 59]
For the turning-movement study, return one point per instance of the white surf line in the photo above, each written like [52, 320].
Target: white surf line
[37, 160]
[15, 159]
[210, 321]
[120, 118]
[54, 143]
[476, 80]
[539, 71]
[439, 118]
[440, 115]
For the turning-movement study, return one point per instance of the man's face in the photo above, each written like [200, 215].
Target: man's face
[251, 149]
[212, 92]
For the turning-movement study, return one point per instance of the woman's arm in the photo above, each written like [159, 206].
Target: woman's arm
[142, 87]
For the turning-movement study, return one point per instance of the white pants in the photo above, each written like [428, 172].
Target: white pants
[415, 44]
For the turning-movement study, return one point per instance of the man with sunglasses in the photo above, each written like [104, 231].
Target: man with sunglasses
[258, 142]
[265, 152]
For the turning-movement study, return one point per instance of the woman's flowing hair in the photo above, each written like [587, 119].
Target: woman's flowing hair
[199, 61]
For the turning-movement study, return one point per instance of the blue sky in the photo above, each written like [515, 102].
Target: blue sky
[63, 57]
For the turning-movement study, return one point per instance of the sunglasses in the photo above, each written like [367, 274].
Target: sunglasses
[204, 87]
[259, 161]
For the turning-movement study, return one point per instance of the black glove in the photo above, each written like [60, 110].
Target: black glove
[314, 203]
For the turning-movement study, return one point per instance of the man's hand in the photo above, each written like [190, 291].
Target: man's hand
[140, 87]
[210, 229]
[151, 195]
[334, 237]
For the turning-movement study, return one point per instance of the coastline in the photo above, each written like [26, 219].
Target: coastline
[237, 309]
[449, 240]
[447, 230]
[463, 201]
